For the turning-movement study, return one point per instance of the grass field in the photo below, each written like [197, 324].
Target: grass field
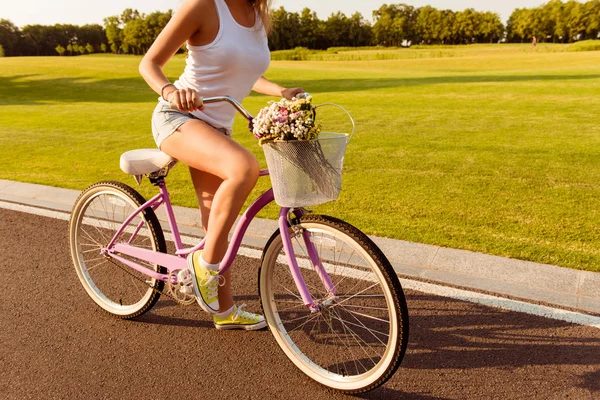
[496, 150]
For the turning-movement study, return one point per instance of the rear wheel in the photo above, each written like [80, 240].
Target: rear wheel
[97, 215]
[357, 339]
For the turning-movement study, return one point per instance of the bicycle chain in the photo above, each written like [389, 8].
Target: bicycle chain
[176, 300]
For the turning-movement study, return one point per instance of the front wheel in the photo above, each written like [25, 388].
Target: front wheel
[357, 338]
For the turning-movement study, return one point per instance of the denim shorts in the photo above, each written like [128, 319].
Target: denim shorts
[166, 121]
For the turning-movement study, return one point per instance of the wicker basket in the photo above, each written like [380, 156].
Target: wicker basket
[306, 173]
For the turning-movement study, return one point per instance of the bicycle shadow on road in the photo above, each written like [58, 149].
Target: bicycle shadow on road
[482, 336]
[591, 381]
[454, 335]
[384, 393]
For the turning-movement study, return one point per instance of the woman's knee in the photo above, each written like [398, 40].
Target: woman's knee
[244, 170]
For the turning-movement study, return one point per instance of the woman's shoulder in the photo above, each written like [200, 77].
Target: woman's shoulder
[197, 7]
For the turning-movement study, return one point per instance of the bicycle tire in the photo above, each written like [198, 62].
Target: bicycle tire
[111, 286]
[307, 350]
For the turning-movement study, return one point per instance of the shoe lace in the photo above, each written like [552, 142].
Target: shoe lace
[212, 284]
[240, 313]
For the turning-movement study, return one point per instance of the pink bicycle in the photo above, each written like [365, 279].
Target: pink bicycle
[329, 295]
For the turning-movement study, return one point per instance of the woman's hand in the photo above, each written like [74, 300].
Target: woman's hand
[291, 93]
[186, 99]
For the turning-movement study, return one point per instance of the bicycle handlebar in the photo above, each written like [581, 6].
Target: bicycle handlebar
[236, 104]
[218, 99]
[232, 101]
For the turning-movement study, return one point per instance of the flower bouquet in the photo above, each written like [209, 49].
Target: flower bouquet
[305, 165]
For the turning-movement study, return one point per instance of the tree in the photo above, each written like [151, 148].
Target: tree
[337, 29]
[556, 21]
[89, 48]
[467, 25]
[310, 31]
[93, 34]
[60, 50]
[103, 47]
[156, 22]
[9, 37]
[114, 32]
[591, 15]
[490, 27]
[136, 36]
[129, 15]
[429, 24]
[285, 30]
[359, 31]
[448, 27]
[394, 23]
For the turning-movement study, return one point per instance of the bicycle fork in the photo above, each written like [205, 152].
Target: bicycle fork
[295, 268]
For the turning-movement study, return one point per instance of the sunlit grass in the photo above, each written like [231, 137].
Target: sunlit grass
[495, 150]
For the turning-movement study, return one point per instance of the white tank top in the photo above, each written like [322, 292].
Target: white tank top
[229, 66]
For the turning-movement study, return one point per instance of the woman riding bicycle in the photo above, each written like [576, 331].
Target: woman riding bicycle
[227, 55]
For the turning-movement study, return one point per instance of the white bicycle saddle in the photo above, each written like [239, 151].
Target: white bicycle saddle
[145, 161]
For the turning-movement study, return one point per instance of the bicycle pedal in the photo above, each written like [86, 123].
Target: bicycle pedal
[184, 278]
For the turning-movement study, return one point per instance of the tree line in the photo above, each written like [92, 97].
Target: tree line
[133, 32]
[556, 21]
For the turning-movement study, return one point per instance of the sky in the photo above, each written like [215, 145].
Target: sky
[24, 12]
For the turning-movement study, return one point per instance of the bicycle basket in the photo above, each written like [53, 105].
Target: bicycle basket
[306, 172]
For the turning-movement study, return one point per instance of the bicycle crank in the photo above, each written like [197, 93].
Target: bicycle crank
[179, 286]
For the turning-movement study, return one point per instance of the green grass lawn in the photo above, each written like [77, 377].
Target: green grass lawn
[496, 150]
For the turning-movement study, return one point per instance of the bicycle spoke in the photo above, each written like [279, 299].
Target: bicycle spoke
[136, 284]
[96, 250]
[367, 307]
[99, 221]
[292, 293]
[367, 329]
[304, 323]
[97, 265]
[94, 245]
[90, 237]
[290, 308]
[347, 347]
[357, 337]
[363, 315]
[362, 291]
[371, 331]
[368, 272]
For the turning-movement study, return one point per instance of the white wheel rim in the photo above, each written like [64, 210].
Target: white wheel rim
[82, 269]
[310, 368]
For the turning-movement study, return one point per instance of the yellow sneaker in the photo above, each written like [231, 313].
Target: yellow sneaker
[240, 319]
[205, 283]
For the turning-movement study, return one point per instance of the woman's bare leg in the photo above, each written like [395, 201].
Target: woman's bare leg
[207, 150]
[206, 185]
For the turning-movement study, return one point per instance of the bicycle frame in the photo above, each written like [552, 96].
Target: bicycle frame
[117, 247]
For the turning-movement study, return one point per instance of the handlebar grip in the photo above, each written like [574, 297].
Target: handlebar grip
[199, 103]
[302, 95]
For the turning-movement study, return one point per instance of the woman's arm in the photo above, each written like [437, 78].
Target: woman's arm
[265, 86]
[179, 29]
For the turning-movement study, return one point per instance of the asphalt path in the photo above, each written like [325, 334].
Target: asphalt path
[57, 344]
